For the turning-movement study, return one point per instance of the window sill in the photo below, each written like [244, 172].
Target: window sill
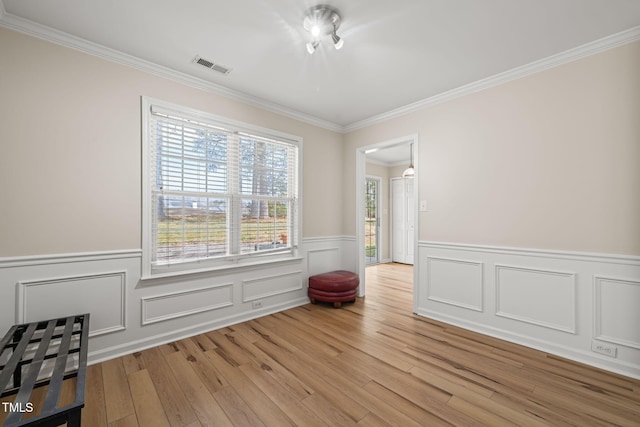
[227, 268]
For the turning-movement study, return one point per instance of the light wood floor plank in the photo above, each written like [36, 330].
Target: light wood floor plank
[149, 410]
[228, 348]
[479, 414]
[208, 373]
[128, 421]
[435, 414]
[556, 416]
[369, 363]
[372, 420]
[204, 405]
[238, 411]
[271, 366]
[327, 411]
[306, 368]
[286, 401]
[133, 362]
[116, 391]
[174, 402]
[261, 404]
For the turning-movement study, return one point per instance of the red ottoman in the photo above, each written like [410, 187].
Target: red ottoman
[336, 287]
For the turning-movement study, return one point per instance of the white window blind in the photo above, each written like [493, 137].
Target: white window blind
[217, 191]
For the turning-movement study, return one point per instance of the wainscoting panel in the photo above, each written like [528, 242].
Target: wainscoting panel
[43, 287]
[330, 253]
[576, 305]
[322, 260]
[617, 311]
[129, 313]
[455, 282]
[184, 303]
[103, 295]
[257, 288]
[541, 297]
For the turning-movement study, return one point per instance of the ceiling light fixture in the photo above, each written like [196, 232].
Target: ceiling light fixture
[320, 21]
[410, 171]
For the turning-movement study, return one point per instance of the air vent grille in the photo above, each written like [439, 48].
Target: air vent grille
[211, 65]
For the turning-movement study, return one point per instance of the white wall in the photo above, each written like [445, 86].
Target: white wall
[548, 161]
[545, 171]
[72, 150]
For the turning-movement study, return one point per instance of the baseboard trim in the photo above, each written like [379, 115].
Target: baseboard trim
[176, 335]
[617, 366]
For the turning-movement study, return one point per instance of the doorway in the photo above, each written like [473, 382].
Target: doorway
[410, 146]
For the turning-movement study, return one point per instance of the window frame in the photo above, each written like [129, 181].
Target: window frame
[261, 258]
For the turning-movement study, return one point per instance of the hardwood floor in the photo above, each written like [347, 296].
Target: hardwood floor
[371, 363]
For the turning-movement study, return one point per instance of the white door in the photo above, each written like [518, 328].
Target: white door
[397, 224]
[402, 219]
[410, 218]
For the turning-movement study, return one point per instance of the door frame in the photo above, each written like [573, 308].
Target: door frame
[361, 168]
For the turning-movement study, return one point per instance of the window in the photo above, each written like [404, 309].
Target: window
[217, 192]
[372, 220]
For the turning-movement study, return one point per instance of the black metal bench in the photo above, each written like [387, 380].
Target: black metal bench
[25, 350]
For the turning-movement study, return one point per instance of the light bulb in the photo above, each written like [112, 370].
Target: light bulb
[337, 41]
[311, 47]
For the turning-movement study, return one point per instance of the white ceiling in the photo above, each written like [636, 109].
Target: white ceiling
[396, 52]
[396, 155]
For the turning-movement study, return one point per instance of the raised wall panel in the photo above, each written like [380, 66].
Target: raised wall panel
[102, 295]
[184, 303]
[323, 260]
[617, 311]
[540, 297]
[267, 286]
[455, 282]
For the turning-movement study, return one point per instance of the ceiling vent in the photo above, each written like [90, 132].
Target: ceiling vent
[211, 65]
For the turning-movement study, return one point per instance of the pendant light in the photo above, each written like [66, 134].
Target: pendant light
[409, 172]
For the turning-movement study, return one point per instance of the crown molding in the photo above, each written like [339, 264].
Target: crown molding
[597, 46]
[52, 35]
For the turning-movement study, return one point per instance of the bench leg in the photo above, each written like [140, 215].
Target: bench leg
[74, 419]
